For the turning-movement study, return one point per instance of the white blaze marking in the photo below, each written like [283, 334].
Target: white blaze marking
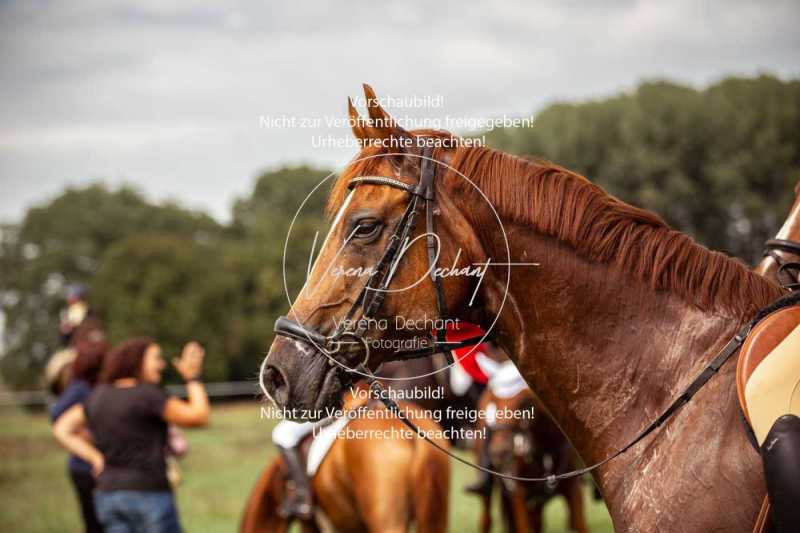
[336, 220]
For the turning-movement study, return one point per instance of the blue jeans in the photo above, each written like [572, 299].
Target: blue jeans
[132, 511]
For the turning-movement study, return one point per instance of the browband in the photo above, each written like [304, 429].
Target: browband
[382, 180]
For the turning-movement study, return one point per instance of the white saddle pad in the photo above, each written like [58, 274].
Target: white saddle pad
[322, 443]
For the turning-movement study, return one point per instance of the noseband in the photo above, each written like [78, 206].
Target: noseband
[372, 295]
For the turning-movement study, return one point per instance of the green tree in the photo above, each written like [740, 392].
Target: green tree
[258, 229]
[719, 163]
[61, 242]
[170, 288]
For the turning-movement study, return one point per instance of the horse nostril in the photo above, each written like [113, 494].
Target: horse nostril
[275, 384]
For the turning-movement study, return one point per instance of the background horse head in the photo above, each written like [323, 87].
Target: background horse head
[528, 447]
[375, 482]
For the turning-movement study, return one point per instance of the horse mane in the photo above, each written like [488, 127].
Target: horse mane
[600, 227]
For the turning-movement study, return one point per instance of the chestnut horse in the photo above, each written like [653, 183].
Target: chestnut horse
[371, 484]
[529, 447]
[607, 312]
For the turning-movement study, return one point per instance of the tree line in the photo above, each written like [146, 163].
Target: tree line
[718, 163]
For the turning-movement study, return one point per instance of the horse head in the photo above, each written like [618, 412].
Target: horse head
[370, 296]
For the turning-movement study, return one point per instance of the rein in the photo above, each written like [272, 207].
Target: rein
[733, 345]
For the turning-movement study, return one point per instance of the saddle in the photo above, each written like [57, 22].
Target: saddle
[762, 341]
[765, 337]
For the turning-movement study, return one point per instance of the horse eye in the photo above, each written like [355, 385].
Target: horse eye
[367, 228]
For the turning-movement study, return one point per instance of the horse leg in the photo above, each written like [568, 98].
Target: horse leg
[430, 495]
[535, 518]
[309, 526]
[507, 510]
[486, 513]
[519, 510]
[577, 517]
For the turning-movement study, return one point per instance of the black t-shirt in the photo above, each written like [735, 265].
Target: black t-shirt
[129, 431]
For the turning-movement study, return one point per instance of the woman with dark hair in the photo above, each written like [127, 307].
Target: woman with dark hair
[84, 371]
[128, 415]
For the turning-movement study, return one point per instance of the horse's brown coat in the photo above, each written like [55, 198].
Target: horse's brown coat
[373, 485]
[618, 318]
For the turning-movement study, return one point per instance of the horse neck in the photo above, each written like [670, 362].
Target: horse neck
[604, 353]
[261, 511]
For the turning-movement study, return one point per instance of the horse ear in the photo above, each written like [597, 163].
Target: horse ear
[382, 125]
[356, 122]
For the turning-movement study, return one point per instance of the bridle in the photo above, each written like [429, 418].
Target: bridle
[788, 271]
[373, 294]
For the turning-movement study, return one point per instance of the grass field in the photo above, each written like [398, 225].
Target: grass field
[223, 463]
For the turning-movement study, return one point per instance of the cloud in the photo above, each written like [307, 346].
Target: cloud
[168, 94]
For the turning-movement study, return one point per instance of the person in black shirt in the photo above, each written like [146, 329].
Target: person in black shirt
[128, 415]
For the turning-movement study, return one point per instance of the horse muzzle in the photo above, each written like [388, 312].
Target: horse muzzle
[299, 380]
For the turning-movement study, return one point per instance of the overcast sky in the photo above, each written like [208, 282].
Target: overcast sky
[169, 95]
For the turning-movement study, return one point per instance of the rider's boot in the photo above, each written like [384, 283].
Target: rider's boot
[298, 501]
[781, 454]
[483, 485]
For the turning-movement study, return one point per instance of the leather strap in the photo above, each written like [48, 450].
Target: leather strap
[382, 180]
[427, 175]
[783, 245]
[732, 347]
[290, 328]
[788, 271]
